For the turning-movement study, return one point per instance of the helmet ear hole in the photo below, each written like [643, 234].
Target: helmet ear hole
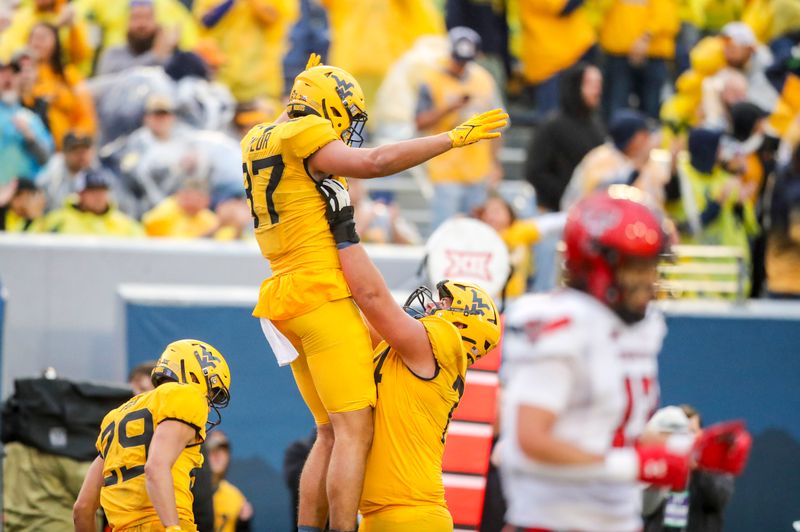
[335, 112]
[194, 378]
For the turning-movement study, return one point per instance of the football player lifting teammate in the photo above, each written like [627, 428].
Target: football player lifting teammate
[149, 448]
[419, 371]
[306, 311]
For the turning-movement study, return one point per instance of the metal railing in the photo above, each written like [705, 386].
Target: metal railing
[704, 272]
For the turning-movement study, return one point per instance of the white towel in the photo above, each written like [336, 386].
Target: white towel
[281, 346]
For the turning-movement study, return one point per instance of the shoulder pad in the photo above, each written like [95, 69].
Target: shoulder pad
[547, 325]
[446, 344]
[304, 136]
[182, 402]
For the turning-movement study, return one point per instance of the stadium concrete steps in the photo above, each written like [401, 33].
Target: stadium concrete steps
[413, 192]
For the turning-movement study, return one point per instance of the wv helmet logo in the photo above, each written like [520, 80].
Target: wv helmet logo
[343, 88]
[478, 305]
[207, 359]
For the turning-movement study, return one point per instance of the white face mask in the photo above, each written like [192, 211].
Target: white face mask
[9, 97]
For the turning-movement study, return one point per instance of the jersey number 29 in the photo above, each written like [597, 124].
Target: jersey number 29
[126, 473]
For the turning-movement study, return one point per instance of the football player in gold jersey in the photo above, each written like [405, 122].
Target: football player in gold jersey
[149, 448]
[420, 371]
[305, 307]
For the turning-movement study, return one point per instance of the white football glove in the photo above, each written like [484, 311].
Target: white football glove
[339, 212]
[335, 194]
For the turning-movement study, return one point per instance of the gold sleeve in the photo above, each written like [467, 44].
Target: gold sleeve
[182, 402]
[306, 135]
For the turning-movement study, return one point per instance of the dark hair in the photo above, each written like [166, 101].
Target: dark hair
[142, 370]
[691, 412]
[478, 212]
[25, 184]
[55, 60]
[571, 90]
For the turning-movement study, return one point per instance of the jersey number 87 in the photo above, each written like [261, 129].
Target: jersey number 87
[273, 163]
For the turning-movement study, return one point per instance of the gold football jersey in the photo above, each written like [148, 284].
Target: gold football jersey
[124, 442]
[404, 465]
[228, 503]
[289, 217]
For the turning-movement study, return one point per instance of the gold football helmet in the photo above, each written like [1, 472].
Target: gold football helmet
[469, 307]
[199, 364]
[333, 94]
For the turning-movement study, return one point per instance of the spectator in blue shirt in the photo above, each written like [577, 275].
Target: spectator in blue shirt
[25, 143]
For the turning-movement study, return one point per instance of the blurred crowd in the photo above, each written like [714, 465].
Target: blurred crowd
[124, 118]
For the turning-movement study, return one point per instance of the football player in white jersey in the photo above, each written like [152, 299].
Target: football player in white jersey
[583, 381]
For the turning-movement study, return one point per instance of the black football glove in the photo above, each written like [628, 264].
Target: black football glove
[339, 212]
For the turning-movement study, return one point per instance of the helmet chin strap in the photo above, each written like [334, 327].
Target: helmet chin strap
[210, 425]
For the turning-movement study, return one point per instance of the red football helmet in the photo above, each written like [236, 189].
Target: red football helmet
[603, 231]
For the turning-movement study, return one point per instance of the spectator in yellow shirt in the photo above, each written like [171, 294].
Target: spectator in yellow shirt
[556, 34]
[450, 94]
[233, 213]
[111, 18]
[491, 21]
[59, 86]
[185, 214]
[638, 38]
[89, 212]
[73, 33]
[232, 511]
[252, 35]
[368, 36]
[21, 202]
[783, 245]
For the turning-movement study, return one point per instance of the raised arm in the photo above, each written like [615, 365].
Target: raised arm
[405, 334]
[402, 332]
[337, 158]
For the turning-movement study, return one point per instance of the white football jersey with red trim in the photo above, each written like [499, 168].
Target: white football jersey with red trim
[568, 353]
